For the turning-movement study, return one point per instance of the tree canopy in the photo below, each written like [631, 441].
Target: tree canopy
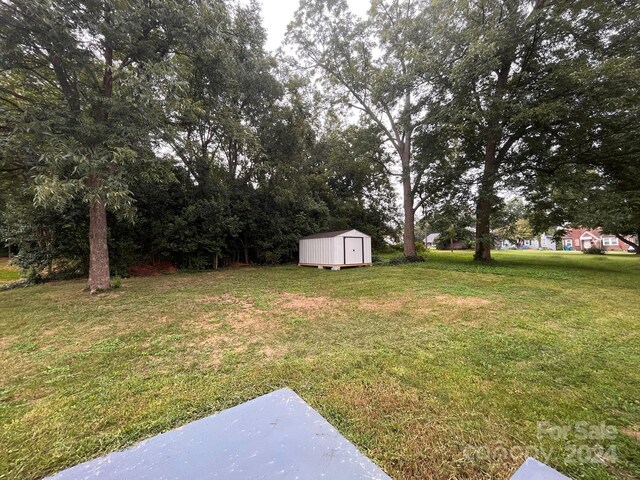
[143, 131]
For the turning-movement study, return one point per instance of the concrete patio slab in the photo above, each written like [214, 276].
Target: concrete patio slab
[276, 436]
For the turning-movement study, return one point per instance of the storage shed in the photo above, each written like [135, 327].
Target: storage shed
[344, 248]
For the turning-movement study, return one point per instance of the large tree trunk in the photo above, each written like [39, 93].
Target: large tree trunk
[98, 232]
[491, 164]
[98, 248]
[409, 236]
[492, 158]
[485, 205]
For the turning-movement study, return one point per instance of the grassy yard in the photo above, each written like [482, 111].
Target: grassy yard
[8, 273]
[421, 366]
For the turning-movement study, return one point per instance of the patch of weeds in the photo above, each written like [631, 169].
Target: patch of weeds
[264, 302]
[116, 282]
[106, 346]
[25, 346]
[296, 322]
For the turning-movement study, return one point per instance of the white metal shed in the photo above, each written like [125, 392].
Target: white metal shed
[344, 248]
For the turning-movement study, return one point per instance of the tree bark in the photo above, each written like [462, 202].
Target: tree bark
[99, 278]
[408, 235]
[484, 206]
[98, 248]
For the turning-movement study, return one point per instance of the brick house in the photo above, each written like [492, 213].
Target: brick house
[583, 238]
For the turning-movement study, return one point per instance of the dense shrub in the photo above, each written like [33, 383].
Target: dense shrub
[593, 250]
[386, 248]
[51, 242]
[397, 247]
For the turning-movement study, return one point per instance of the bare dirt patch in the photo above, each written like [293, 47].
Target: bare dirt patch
[390, 305]
[632, 433]
[7, 340]
[461, 301]
[238, 323]
[419, 305]
[253, 322]
[293, 301]
[273, 351]
[241, 314]
[235, 325]
[246, 317]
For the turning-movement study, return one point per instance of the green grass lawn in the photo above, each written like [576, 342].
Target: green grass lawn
[8, 273]
[420, 365]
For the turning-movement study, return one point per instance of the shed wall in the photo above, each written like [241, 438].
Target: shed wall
[330, 250]
[338, 250]
[320, 251]
[367, 249]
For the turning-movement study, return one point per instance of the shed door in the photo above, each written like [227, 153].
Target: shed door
[353, 250]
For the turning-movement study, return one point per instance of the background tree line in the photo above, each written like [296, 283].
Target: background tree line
[163, 131]
[476, 98]
[147, 130]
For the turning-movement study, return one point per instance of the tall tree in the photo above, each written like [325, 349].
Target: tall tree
[370, 66]
[230, 94]
[88, 103]
[497, 51]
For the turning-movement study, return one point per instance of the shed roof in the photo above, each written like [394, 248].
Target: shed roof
[337, 233]
[327, 234]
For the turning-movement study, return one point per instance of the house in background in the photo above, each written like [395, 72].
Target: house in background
[583, 238]
[541, 242]
[430, 241]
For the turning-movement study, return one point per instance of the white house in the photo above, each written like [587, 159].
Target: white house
[430, 241]
[344, 248]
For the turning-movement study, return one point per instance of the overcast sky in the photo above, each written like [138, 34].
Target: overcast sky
[278, 13]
